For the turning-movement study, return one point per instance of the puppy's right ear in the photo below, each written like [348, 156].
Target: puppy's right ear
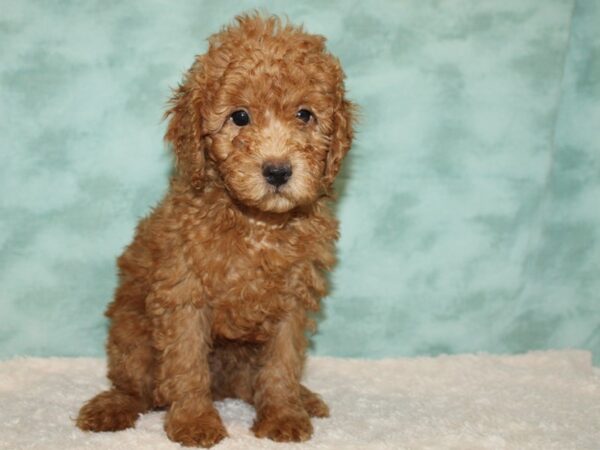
[184, 131]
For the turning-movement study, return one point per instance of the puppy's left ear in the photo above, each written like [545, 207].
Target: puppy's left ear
[343, 133]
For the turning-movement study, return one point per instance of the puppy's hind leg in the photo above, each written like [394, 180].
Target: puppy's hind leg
[234, 370]
[313, 403]
[111, 410]
[130, 369]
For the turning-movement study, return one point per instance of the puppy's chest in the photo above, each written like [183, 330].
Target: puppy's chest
[251, 281]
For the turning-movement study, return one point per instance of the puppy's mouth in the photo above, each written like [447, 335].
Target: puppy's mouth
[278, 190]
[278, 199]
[278, 181]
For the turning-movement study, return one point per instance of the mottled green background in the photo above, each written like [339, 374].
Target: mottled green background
[470, 206]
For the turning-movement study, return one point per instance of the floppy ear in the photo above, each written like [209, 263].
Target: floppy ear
[343, 120]
[184, 131]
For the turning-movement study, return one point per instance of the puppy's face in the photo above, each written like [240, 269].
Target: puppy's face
[273, 120]
[274, 134]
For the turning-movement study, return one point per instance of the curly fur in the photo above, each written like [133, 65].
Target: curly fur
[216, 286]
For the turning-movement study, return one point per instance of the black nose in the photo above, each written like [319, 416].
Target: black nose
[277, 174]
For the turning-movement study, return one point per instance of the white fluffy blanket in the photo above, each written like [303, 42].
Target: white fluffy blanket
[541, 400]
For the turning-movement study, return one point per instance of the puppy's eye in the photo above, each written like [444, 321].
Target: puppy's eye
[304, 115]
[241, 118]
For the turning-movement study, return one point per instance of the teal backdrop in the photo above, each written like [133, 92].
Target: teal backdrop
[470, 204]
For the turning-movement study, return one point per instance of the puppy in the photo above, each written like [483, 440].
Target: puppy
[215, 288]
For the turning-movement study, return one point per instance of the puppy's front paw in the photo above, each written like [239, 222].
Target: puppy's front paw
[284, 427]
[194, 428]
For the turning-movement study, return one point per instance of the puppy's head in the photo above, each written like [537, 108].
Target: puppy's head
[264, 114]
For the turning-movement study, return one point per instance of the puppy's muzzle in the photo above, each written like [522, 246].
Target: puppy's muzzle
[277, 174]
